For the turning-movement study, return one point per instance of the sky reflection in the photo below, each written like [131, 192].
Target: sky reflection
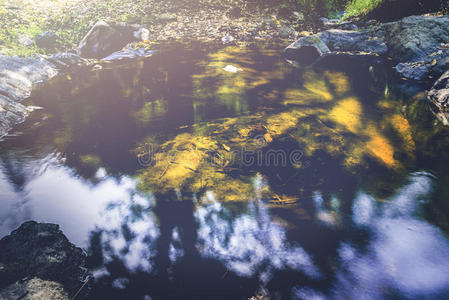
[405, 257]
[250, 244]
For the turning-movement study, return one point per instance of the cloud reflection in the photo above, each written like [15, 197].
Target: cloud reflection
[55, 194]
[250, 244]
[406, 257]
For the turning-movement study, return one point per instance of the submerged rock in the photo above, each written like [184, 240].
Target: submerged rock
[18, 76]
[41, 252]
[350, 60]
[104, 39]
[439, 96]
[128, 54]
[414, 71]
[65, 60]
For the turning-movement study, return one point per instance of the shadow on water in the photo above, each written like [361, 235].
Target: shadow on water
[215, 173]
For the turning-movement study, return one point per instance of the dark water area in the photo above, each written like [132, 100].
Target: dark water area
[206, 172]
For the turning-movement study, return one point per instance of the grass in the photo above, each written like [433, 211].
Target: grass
[70, 20]
[360, 7]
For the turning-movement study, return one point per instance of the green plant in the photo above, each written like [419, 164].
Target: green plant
[360, 7]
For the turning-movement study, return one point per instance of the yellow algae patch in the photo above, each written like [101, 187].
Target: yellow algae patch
[178, 162]
[385, 104]
[317, 86]
[230, 189]
[347, 113]
[379, 147]
[280, 123]
[403, 127]
[182, 166]
[339, 82]
[303, 97]
[355, 155]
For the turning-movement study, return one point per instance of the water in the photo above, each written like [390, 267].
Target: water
[222, 173]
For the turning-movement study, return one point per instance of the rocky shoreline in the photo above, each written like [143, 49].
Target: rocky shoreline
[418, 45]
[37, 261]
[19, 76]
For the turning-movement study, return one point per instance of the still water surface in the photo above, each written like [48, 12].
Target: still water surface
[218, 173]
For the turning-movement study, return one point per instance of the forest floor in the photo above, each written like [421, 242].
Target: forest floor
[22, 21]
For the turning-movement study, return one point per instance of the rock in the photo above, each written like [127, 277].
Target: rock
[357, 41]
[232, 69]
[325, 20]
[414, 71]
[104, 39]
[142, 34]
[34, 289]
[11, 113]
[298, 16]
[47, 41]
[306, 50]
[339, 24]
[227, 39]
[18, 76]
[235, 12]
[41, 250]
[348, 61]
[414, 38]
[439, 97]
[128, 54]
[65, 60]
[286, 32]
[26, 40]
[310, 48]
[415, 41]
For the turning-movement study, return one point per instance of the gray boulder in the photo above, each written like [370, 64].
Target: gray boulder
[307, 49]
[418, 71]
[416, 43]
[11, 113]
[353, 41]
[18, 76]
[41, 250]
[26, 40]
[104, 39]
[414, 38]
[439, 97]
